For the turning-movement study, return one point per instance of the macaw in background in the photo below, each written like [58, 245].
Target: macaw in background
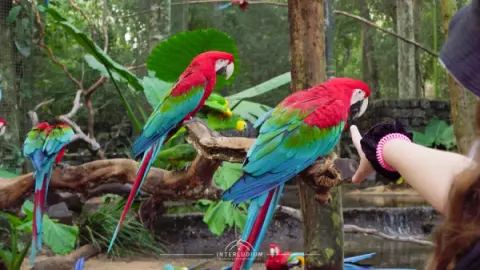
[303, 127]
[242, 4]
[195, 267]
[79, 265]
[3, 126]
[179, 105]
[219, 116]
[278, 260]
[45, 145]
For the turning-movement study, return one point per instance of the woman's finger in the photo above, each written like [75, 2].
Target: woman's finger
[356, 137]
[363, 171]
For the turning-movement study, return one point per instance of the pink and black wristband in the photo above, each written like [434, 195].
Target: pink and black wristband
[373, 143]
[381, 144]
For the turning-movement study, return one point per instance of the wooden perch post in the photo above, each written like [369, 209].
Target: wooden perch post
[322, 225]
[194, 182]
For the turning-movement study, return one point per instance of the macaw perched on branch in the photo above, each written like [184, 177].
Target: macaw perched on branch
[179, 104]
[242, 4]
[303, 127]
[3, 126]
[45, 145]
[278, 260]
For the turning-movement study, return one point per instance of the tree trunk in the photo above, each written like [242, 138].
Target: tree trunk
[407, 82]
[462, 101]
[369, 66]
[322, 229]
[9, 104]
[417, 20]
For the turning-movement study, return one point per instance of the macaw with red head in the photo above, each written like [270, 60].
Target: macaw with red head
[45, 145]
[180, 104]
[303, 127]
[3, 126]
[278, 260]
[242, 4]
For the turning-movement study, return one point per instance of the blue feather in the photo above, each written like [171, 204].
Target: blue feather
[80, 264]
[261, 235]
[223, 6]
[263, 118]
[359, 258]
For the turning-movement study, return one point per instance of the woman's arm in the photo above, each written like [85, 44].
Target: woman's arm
[427, 170]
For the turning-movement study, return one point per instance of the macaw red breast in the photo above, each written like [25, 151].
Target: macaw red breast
[278, 262]
[243, 4]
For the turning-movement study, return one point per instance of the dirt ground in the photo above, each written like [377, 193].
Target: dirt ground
[102, 263]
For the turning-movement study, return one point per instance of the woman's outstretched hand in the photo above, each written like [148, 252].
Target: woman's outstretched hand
[365, 168]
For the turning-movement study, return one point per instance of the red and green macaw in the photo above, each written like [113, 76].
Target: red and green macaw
[242, 4]
[45, 145]
[278, 260]
[178, 106]
[3, 126]
[303, 127]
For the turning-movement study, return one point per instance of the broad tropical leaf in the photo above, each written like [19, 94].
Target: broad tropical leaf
[262, 88]
[92, 48]
[170, 58]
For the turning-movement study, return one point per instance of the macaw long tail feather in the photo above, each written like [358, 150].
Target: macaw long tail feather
[260, 213]
[148, 159]
[223, 6]
[358, 258]
[38, 210]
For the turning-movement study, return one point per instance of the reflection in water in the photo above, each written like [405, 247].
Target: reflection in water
[389, 253]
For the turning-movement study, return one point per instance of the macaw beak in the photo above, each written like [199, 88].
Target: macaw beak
[362, 109]
[2, 129]
[229, 71]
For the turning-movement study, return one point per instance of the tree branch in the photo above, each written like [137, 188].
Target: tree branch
[192, 183]
[40, 43]
[32, 114]
[390, 32]
[79, 134]
[89, 22]
[66, 262]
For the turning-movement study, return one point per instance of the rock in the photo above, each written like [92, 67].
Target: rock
[61, 212]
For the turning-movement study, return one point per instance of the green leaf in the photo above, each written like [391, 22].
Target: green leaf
[27, 208]
[423, 139]
[227, 174]
[250, 111]
[447, 138]
[240, 219]
[60, 238]
[155, 90]
[435, 128]
[7, 174]
[21, 256]
[95, 64]
[6, 257]
[218, 216]
[170, 58]
[262, 88]
[177, 156]
[92, 48]
[23, 47]
[13, 14]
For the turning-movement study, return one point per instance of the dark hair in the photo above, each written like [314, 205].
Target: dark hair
[461, 228]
